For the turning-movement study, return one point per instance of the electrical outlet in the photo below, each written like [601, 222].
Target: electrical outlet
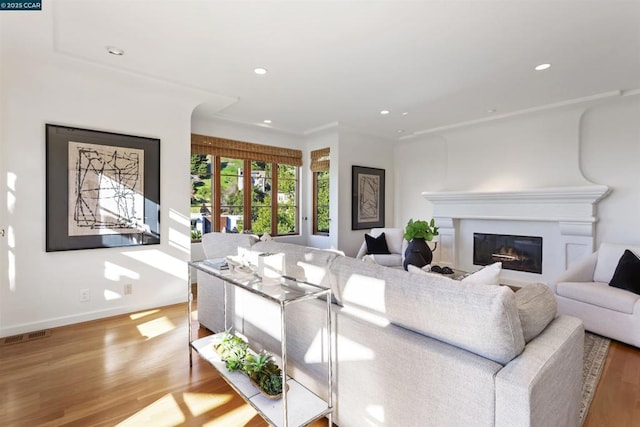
[84, 295]
[128, 289]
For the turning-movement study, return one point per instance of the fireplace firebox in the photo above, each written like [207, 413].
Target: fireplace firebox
[520, 253]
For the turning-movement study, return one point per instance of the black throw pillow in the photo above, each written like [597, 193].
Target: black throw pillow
[627, 275]
[376, 245]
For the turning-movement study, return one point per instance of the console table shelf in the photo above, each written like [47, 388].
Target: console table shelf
[298, 405]
[304, 405]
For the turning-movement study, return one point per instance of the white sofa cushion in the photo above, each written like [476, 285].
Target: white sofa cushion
[394, 238]
[417, 270]
[219, 245]
[599, 294]
[302, 262]
[480, 319]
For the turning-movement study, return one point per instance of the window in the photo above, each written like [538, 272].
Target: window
[320, 168]
[233, 186]
[287, 210]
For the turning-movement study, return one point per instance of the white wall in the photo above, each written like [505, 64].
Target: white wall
[577, 145]
[610, 155]
[39, 289]
[361, 150]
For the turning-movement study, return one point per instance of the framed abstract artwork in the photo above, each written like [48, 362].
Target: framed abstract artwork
[102, 189]
[367, 205]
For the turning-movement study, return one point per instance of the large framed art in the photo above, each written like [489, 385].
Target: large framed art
[102, 189]
[367, 205]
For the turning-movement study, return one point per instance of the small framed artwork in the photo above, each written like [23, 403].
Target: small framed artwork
[102, 189]
[367, 205]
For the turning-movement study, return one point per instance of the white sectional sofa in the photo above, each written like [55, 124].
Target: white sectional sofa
[418, 350]
[583, 291]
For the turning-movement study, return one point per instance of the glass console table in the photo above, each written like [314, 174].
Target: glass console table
[298, 405]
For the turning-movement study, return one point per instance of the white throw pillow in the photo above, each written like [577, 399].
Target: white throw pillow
[489, 275]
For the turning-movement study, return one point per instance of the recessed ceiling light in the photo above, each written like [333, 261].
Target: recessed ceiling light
[491, 111]
[400, 130]
[542, 67]
[261, 71]
[384, 112]
[267, 121]
[115, 50]
[405, 113]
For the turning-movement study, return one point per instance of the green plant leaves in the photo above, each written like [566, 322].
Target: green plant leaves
[261, 368]
[421, 230]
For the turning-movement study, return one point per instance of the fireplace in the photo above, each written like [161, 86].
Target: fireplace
[564, 217]
[520, 253]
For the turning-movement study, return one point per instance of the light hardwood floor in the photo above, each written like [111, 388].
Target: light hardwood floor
[133, 370]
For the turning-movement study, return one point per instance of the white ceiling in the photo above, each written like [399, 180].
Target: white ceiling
[443, 62]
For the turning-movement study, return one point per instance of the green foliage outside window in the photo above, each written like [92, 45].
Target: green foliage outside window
[287, 198]
[322, 202]
[232, 189]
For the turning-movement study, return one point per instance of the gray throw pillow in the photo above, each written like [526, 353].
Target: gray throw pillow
[537, 307]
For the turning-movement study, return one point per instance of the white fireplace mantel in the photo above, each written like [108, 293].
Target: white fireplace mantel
[540, 204]
[572, 208]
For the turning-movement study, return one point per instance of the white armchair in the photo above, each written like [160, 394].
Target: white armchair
[583, 291]
[395, 242]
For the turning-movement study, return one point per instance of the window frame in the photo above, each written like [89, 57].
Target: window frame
[316, 205]
[216, 189]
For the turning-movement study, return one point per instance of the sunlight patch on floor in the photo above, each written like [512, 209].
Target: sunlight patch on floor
[136, 316]
[200, 403]
[164, 412]
[239, 416]
[156, 327]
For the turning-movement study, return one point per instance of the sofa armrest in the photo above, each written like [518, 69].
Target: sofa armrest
[581, 271]
[363, 251]
[543, 385]
[387, 260]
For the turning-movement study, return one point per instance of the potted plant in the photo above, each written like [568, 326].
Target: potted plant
[264, 374]
[418, 233]
[261, 369]
[232, 350]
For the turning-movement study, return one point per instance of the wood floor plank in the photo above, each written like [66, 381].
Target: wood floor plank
[133, 370]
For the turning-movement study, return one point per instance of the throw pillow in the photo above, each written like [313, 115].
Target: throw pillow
[537, 307]
[376, 245]
[489, 275]
[627, 274]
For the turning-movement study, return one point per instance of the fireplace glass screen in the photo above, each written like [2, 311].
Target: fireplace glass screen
[521, 253]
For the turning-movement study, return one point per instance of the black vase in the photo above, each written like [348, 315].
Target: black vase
[418, 253]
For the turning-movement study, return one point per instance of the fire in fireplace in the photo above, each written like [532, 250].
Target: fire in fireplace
[521, 253]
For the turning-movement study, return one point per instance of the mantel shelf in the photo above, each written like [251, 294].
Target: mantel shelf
[564, 204]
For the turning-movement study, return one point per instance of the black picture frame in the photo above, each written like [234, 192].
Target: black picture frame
[108, 168]
[367, 204]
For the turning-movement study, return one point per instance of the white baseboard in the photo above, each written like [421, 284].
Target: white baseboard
[84, 317]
